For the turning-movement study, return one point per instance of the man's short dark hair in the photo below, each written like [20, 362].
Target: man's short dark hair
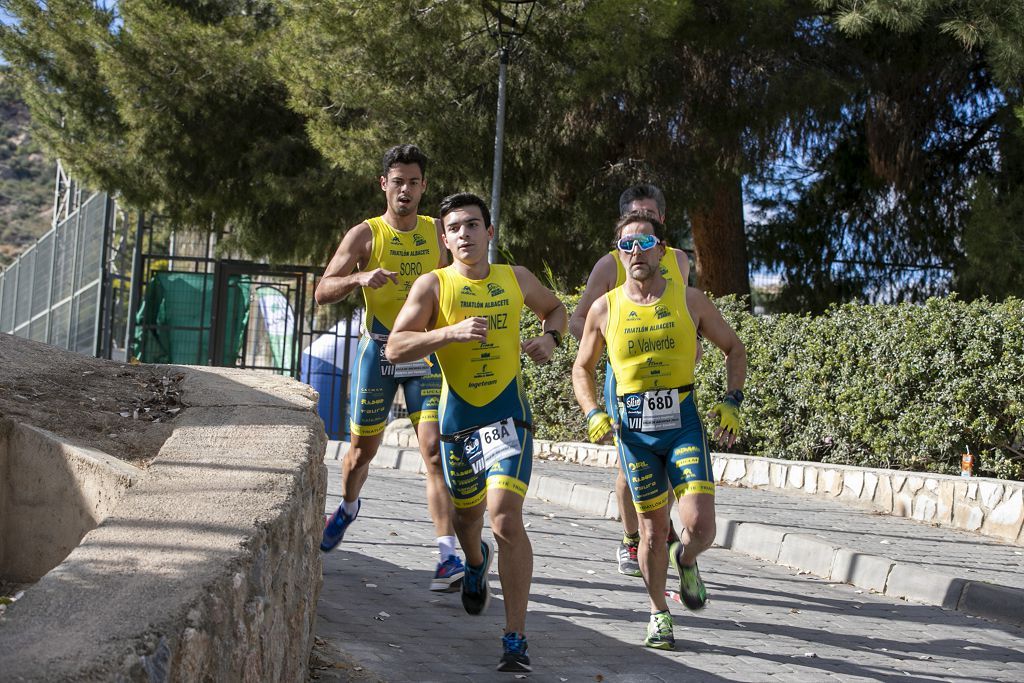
[461, 200]
[640, 217]
[404, 154]
[642, 191]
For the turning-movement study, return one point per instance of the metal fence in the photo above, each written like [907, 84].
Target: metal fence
[54, 292]
[112, 284]
[191, 305]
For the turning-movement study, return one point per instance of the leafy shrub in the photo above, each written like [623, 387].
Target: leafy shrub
[903, 386]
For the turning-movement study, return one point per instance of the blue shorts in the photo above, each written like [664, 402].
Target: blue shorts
[374, 385]
[462, 444]
[655, 460]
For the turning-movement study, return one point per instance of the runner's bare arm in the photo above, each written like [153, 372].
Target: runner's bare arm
[712, 325]
[601, 280]
[414, 335]
[339, 280]
[548, 308]
[584, 383]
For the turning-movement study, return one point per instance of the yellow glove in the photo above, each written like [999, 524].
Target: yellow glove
[599, 425]
[730, 422]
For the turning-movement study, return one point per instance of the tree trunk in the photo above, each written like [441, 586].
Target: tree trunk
[719, 238]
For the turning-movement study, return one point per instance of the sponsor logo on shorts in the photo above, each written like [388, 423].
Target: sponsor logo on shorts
[637, 466]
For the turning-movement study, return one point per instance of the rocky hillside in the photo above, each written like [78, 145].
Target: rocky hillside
[26, 177]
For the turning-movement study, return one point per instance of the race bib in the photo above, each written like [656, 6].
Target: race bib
[416, 368]
[652, 411]
[492, 444]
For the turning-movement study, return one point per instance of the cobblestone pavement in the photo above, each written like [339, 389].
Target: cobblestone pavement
[586, 622]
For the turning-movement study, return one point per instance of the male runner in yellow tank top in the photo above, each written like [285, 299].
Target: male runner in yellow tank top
[609, 273]
[650, 326]
[468, 314]
[390, 252]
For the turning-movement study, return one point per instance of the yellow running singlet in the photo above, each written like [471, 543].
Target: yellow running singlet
[650, 346]
[409, 254]
[479, 371]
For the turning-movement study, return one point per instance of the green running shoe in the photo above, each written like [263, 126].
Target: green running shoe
[659, 632]
[691, 588]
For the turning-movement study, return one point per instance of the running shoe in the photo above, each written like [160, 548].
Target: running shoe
[476, 594]
[448, 575]
[516, 658]
[691, 588]
[659, 632]
[336, 526]
[628, 563]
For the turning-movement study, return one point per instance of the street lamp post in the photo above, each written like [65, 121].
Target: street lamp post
[507, 20]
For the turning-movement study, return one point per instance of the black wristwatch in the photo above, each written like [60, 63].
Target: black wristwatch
[556, 335]
[736, 395]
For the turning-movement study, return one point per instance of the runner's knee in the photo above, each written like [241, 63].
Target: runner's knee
[507, 526]
[654, 532]
[431, 455]
[360, 457]
[701, 530]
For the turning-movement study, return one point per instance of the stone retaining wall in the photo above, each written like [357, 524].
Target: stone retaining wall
[993, 507]
[208, 568]
[51, 494]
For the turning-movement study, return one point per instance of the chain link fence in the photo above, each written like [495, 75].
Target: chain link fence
[53, 292]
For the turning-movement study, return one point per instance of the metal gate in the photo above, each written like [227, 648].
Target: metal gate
[275, 325]
[197, 309]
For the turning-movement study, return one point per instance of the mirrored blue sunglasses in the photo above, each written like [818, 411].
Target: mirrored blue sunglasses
[645, 242]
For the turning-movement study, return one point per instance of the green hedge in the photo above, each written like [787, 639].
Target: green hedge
[904, 386]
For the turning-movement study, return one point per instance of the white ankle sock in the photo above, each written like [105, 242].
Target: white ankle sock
[349, 508]
[446, 546]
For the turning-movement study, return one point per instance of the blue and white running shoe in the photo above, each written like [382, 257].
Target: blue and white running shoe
[516, 658]
[336, 526]
[448, 576]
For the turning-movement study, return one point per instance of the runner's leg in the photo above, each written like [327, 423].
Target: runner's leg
[653, 555]
[515, 555]
[356, 464]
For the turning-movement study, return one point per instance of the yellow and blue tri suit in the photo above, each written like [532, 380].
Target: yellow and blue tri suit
[661, 440]
[669, 267]
[374, 379]
[486, 435]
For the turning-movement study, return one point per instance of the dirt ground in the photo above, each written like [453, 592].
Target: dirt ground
[122, 410]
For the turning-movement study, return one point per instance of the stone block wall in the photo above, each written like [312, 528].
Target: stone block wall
[208, 568]
[989, 506]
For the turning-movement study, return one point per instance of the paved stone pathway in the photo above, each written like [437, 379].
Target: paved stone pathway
[378, 621]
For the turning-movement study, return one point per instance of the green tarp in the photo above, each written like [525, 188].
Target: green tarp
[173, 324]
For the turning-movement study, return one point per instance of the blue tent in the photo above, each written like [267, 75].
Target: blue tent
[325, 365]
